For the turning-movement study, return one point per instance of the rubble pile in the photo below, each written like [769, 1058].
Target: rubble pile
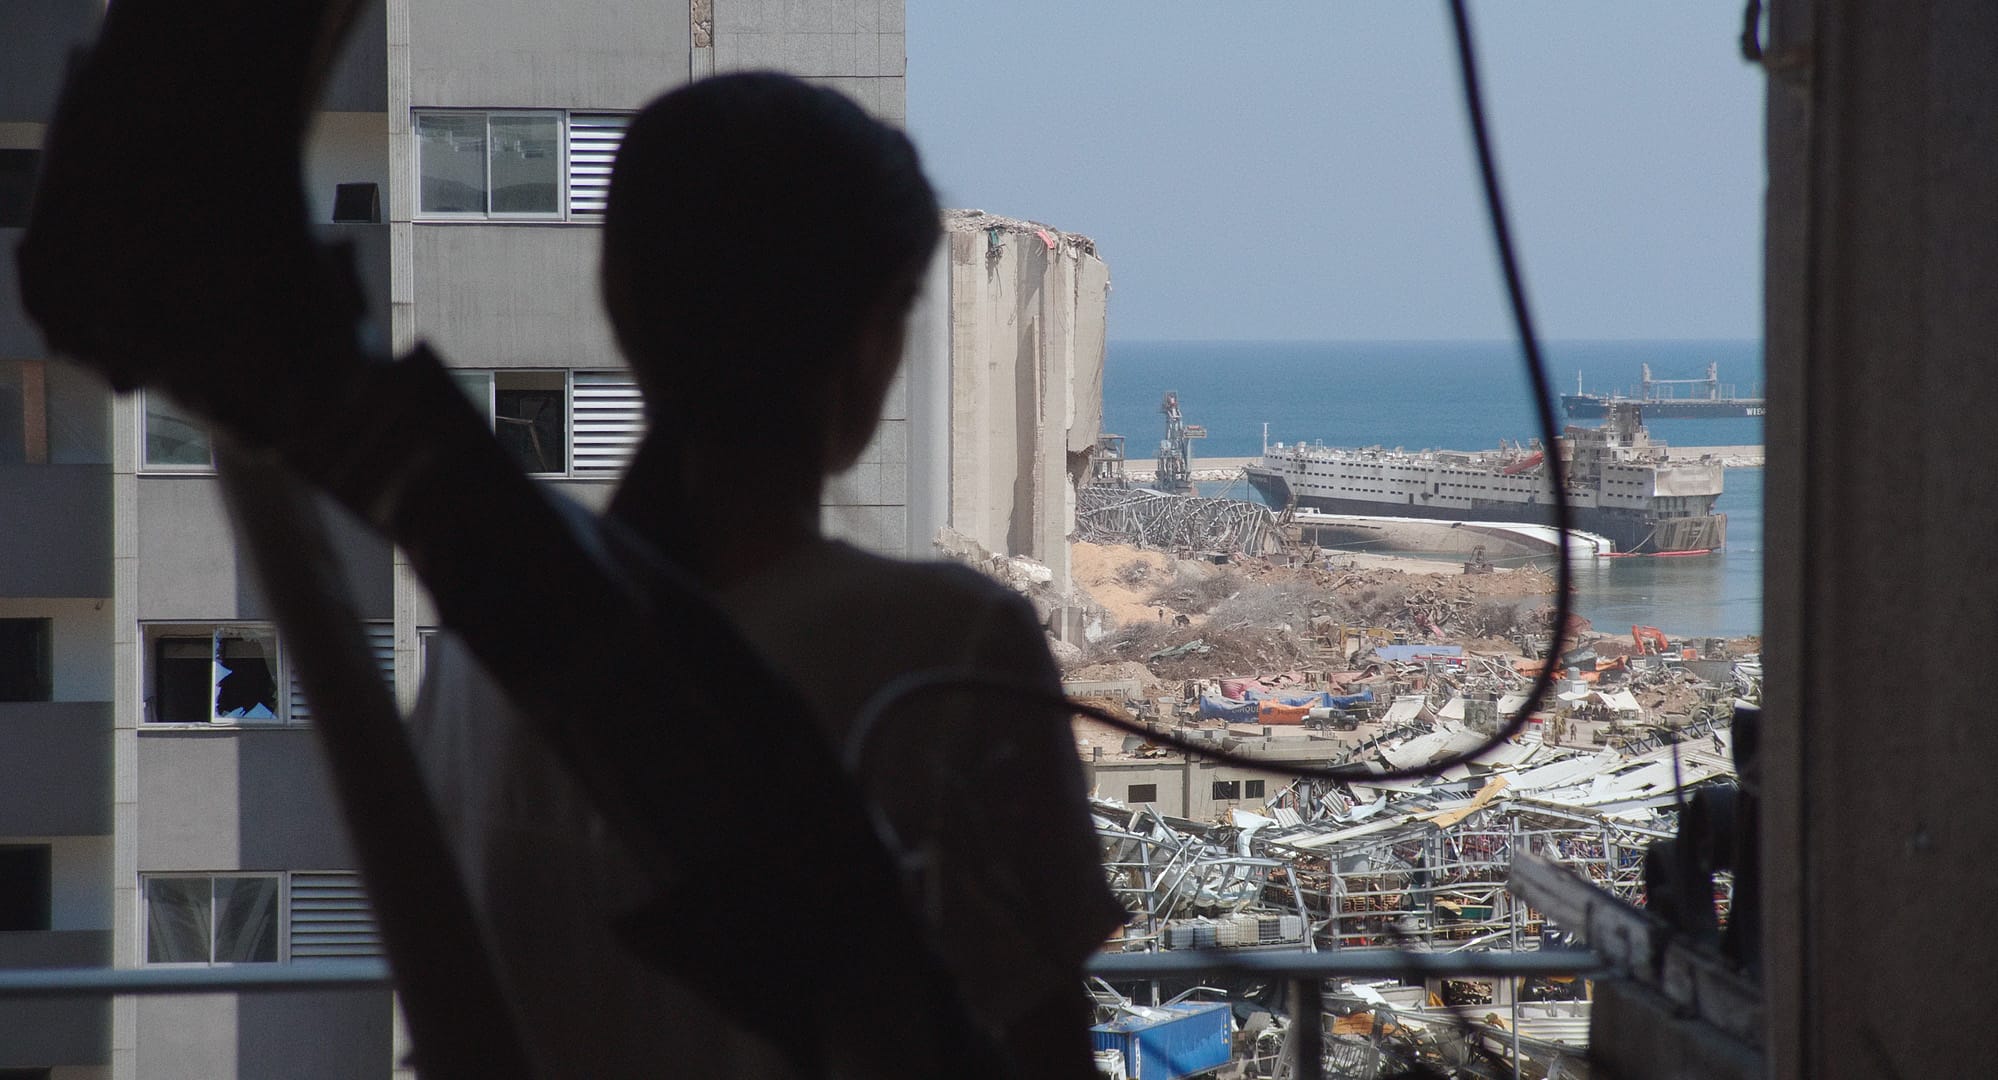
[1105, 514]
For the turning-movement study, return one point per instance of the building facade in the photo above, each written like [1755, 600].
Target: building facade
[162, 800]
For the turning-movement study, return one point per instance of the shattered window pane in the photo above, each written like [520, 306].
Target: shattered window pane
[224, 675]
[1227, 789]
[172, 436]
[530, 418]
[246, 683]
[1252, 789]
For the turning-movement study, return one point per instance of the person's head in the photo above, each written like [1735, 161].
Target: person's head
[763, 241]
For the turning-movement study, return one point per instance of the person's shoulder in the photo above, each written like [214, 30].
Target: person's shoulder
[929, 579]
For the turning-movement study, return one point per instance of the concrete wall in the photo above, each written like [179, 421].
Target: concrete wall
[856, 47]
[511, 295]
[64, 547]
[317, 1036]
[55, 772]
[34, 52]
[83, 635]
[1027, 322]
[188, 566]
[592, 54]
[236, 799]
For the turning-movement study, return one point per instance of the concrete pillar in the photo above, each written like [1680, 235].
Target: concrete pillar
[1882, 265]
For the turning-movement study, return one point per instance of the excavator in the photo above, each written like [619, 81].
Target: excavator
[1650, 641]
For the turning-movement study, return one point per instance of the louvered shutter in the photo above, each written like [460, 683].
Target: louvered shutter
[593, 142]
[330, 917]
[381, 642]
[606, 421]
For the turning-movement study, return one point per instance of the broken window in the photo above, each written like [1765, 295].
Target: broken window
[528, 411]
[1143, 793]
[211, 919]
[174, 438]
[227, 674]
[24, 887]
[27, 659]
[1227, 789]
[1252, 789]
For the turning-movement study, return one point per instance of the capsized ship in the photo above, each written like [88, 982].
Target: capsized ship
[1620, 485]
[1704, 398]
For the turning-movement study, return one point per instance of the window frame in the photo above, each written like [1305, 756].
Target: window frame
[1227, 791]
[282, 917]
[565, 138]
[1131, 794]
[481, 386]
[146, 464]
[151, 634]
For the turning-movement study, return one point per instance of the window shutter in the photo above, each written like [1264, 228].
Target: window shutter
[606, 421]
[330, 917]
[381, 642]
[593, 142]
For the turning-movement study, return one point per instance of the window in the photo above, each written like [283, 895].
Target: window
[224, 674]
[212, 919]
[1227, 789]
[1143, 793]
[557, 423]
[1252, 789]
[257, 918]
[27, 659]
[235, 673]
[173, 437]
[523, 165]
[24, 887]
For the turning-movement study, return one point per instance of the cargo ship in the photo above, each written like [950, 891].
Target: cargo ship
[1661, 398]
[1620, 485]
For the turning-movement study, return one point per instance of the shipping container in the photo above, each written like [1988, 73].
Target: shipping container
[1177, 1040]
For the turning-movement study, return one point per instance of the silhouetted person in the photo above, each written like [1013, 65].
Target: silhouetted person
[677, 879]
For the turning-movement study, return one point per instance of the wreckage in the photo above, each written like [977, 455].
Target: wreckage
[1117, 515]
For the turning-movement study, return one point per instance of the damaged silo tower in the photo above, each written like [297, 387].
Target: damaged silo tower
[1026, 343]
[999, 402]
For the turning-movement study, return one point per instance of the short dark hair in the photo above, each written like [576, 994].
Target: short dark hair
[754, 221]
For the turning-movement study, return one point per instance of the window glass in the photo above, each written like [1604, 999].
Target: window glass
[530, 418]
[526, 164]
[1252, 789]
[478, 387]
[172, 436]
[1143, 793]
[451, 161]
[27, 659]
[246, 920]
[1227, 789]
[177, 920]
[246, 685]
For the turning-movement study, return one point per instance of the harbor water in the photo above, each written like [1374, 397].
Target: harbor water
[1462, 396]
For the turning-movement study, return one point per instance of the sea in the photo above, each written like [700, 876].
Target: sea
[1461, 396]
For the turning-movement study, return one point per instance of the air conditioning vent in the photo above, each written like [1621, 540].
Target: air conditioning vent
[593, 142]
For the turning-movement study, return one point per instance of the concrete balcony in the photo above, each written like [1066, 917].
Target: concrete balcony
[54, 1031]
[55, 771]
[57, 531]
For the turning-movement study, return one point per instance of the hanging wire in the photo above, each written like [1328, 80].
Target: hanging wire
[925, 683]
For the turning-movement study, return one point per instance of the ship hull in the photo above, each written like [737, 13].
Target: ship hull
[1596, 407]
[1632, 531]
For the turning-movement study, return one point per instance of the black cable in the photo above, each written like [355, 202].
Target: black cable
[923, 683]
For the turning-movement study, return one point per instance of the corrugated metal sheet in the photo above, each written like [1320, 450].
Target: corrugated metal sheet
[606, 421]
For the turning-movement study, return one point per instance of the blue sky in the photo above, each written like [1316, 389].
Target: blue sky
[1300, 169]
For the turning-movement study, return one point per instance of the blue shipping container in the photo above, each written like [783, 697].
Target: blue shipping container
[1193, 1039]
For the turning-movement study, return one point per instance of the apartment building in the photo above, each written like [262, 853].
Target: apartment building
[162, 801]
